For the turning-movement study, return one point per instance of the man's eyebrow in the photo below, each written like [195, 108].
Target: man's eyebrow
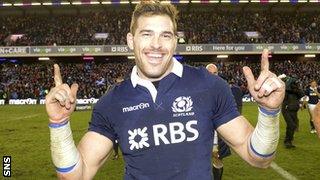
[145, 31]
[167, 32]
[150, 31]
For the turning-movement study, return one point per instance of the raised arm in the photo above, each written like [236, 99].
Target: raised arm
[72, 162]
[257, 145]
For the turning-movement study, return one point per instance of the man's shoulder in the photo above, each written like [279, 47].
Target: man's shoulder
[192, 69]
[199, 76]
[194, 73]
[116, 91]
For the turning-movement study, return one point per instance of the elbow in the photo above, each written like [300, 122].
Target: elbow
[67, 176]
[63, 176]
[262, 164]
[73, 174]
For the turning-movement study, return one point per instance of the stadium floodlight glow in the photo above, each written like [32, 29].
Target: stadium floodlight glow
[225, 1]
[131, 57]
[36, 4]
[214, 1]
[76, 3]
[309, 55]
[314, 1]
[195, 1]
[6, 4]
[135, 2]
[47, 4]
[43, 58]
[165, 2]
[273, 1]
[284, 1]
[183, 2]
[222, 56]
[124, 2]
[94, 2]
[65, 3]
[18, 4]
[107, 2]
[243, 1]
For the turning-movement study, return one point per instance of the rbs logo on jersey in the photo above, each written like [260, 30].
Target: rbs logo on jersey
[176, 131]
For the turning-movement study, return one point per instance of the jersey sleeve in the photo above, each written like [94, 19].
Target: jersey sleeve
[100, 122]
[306, 91]
[224, 105]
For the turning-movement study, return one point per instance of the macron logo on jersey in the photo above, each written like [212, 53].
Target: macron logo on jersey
[136, 107]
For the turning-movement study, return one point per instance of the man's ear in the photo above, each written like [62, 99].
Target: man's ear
[130, 40]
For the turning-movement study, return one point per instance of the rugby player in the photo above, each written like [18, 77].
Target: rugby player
[312, 92]
[164, 115]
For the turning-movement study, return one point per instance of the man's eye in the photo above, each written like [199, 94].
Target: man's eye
[169, 36]
[146, 34]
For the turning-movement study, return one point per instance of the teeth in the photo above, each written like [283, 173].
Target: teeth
[155, 55]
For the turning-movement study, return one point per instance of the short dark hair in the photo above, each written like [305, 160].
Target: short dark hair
[152, 7]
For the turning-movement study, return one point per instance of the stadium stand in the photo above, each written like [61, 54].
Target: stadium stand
[199, 27]
[33, 80]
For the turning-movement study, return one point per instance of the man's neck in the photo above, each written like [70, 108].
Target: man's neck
[142, 76]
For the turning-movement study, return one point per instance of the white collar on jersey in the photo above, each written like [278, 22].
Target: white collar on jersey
[177, 69]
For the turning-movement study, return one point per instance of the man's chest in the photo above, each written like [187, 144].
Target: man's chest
[180, 118]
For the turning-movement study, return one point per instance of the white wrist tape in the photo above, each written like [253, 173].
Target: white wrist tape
[64, 153]
[215, 140]
[265, 137]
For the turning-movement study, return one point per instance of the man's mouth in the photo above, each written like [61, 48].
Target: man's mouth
[154, 58]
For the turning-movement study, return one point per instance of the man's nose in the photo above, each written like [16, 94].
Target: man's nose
[156, 42]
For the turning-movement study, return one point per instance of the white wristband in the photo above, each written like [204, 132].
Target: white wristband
[64, 153]
[265, 137]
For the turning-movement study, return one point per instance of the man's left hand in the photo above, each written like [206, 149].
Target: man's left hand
[268, 90]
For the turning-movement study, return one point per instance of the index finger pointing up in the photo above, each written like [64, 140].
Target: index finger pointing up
[57, 75]
[265, 60]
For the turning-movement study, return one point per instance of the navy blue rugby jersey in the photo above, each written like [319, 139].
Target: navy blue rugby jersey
[313, 97]
[170, 135]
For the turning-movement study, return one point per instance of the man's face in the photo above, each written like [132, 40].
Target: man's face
[314, 84]
[212, 69]
[153, 44]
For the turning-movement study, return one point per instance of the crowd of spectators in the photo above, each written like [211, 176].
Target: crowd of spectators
[199, 27]
[305, 71]
[65, 29]
[21, 81]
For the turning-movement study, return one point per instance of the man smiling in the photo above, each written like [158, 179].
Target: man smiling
[168, 132]
[153, 45]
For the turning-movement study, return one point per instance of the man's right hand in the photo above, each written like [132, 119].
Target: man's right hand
[61, 100]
